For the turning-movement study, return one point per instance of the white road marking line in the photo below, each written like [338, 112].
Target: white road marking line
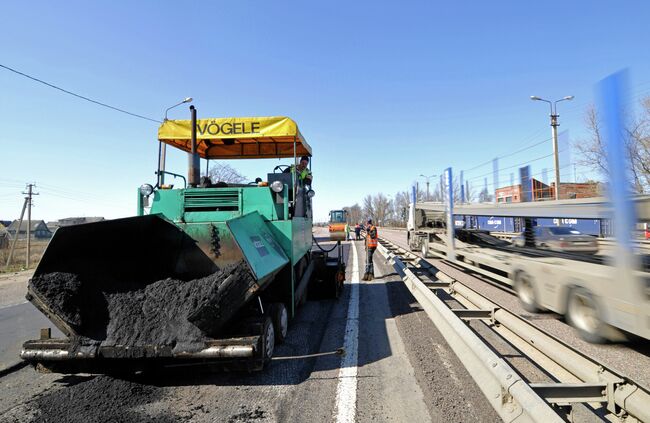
[13, 304]
[346, 391]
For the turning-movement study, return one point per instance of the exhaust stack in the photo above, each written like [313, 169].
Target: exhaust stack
[194, 165]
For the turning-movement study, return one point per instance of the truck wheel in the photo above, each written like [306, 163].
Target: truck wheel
[525, 288]
[584, 314]
[268, 340]
[280, 319]
[425, 248]
[409, 240]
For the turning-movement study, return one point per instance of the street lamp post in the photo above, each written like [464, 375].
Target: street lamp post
[162, 148]
[427, 178]
[554, 125]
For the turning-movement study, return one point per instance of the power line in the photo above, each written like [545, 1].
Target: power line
[84, 200]
[78, 95]
[528, 147]
[491, 184]
[525, 148]
[513, 166]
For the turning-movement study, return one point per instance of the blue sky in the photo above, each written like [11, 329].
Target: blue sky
[383, 91]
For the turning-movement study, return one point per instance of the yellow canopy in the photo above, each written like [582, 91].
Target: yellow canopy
[237, 138]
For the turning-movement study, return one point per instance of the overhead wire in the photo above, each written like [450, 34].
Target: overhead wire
[528, 147]
[513, 166]
[78, 95]
[87, 201]
[633, 97]
[490, 184]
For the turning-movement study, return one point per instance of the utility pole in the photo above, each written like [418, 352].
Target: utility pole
[30, 192]
[554, 125]
[427, 178]
[20, 223]
[556, 152]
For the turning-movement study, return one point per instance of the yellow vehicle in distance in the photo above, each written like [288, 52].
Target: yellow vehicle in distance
[338, 221]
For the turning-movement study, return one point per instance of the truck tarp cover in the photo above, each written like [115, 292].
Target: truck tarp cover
[237, 138]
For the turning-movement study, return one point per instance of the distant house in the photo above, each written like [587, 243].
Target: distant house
[53, 226]
[542, 191]
[38, 230]
[4, 236]
[69, 221]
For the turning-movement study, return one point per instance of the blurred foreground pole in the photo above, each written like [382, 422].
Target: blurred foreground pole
[449, 184]
[612, 98]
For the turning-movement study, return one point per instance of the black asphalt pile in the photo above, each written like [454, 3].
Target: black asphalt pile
[102, 399]
[168, 312]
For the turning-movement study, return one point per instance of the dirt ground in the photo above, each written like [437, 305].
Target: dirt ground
[13, 287]
[18, 261]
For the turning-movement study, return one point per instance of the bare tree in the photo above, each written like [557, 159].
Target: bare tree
[354, 214]
[382, 208]
[469, 192]
[368, 207]
[222, 172]
[485, 197]
[592, 151]
[637, 146]
[400, 208]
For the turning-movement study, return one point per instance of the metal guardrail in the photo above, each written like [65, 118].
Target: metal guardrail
[640, 244]
[580, 379]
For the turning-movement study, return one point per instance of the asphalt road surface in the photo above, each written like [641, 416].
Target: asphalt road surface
[630, 358]
[397, 368]
[19, 320]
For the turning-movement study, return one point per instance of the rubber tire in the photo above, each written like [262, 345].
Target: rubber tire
[412, 247]
[531, 305]
[595, 335]
[424, 248]
[268, 340]
[280, 318]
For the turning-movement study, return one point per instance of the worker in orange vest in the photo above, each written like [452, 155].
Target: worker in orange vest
[371, 246]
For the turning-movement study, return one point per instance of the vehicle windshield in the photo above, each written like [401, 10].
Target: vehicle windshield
[564, 231]
[337, 216]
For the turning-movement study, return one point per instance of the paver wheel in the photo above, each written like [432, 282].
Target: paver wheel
[280, 318]
[268, 340]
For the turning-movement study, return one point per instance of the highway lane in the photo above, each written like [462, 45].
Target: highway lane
[403, 371]
[18, 323]
[631, 358]
[19, 320]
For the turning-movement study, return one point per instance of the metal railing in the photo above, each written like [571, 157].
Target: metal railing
[577, 377]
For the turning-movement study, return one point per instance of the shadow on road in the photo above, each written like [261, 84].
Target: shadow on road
[319, 327]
